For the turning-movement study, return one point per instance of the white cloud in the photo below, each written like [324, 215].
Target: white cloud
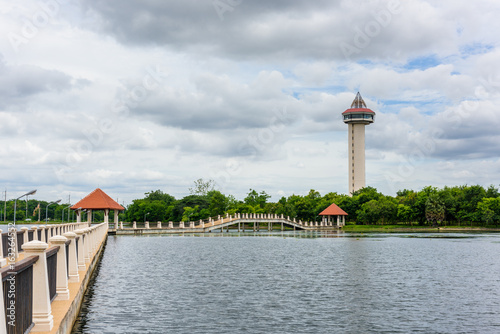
[155, 95]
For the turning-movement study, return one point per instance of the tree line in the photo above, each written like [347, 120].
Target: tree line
[457, 205]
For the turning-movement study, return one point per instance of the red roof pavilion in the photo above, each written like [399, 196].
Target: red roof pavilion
[333, 215]
[97, 200]
[333, 210]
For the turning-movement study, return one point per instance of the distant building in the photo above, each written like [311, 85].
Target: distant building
[357, 117]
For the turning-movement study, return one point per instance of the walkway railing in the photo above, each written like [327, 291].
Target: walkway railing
[39, 273]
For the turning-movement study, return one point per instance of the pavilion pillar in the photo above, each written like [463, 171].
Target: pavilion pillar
[89, 217]
[106, 216]
[115, 219]
[78, 216]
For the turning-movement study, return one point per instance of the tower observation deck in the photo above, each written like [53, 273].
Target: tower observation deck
[357, 117]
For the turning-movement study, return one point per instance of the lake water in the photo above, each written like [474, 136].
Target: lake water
[297, 282]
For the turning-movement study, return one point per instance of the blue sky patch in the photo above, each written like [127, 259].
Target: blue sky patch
[475, 49]
[422, 63]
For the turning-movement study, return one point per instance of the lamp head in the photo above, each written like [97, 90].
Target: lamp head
[27, 194]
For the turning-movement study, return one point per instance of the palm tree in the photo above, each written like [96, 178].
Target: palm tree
[434, 209]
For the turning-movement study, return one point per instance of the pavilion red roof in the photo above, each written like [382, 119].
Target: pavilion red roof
[333, 210]
[99, 200]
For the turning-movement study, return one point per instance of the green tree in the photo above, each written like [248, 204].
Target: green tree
[369, 213]
[255, 199]
[201, 187]
[388, 209]
[468, 199]
[191, 214]
[434, 209]
[158, 195]
[419, 205]
[191, 201]
[405, 213]
[283, 207]
[489, 210]
[492, 192]
[218, 203]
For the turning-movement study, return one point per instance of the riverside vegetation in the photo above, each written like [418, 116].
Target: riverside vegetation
[429, 207]
[461, 206]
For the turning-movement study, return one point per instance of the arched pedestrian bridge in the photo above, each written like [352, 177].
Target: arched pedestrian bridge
[240, 221]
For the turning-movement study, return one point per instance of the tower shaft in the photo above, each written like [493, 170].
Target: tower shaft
[356, 165]
[357, 117]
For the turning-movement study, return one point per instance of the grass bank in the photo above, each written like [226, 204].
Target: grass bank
[416, 228]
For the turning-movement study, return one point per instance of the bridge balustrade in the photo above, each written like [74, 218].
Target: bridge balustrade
[42, 276]
[17, 297]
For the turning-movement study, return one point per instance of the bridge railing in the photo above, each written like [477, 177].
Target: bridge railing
[42, 275]
[18, 280]
[223, 219]
[13, 240]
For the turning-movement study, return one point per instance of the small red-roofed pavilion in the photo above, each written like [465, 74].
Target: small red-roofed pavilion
[97, 200]
[333, 214]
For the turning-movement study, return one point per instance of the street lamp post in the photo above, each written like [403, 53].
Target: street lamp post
[145, 216]
[15, 203]
[26, 207]
[47, 210]
[63, 213]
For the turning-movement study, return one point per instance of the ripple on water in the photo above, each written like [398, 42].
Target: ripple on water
[391, 284]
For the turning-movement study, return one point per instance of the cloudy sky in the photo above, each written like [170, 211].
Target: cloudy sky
[133, 96]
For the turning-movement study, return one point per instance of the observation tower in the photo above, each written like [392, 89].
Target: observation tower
[357, 117]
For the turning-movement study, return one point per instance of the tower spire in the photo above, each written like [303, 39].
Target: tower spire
[358, 102]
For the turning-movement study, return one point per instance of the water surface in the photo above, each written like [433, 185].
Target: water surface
[296, 282]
